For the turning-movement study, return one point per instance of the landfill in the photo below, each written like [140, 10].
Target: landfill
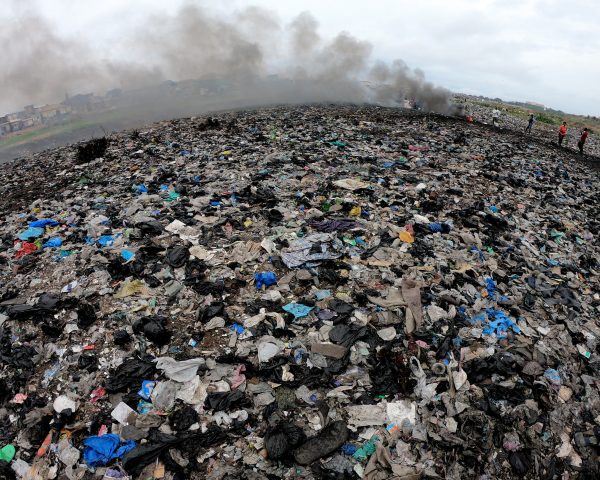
[311, 292]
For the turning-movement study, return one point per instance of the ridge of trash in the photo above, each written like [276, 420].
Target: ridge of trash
[300, 292]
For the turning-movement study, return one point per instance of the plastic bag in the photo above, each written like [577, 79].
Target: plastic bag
[102, 450]
[130, 374]
[282, 438]
[177, 256]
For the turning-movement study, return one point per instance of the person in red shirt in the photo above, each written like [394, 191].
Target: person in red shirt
[581, 143]
[562, 133]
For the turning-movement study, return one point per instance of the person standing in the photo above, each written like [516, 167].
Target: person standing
[562, 133]
[495, 117]
[582, 140]
[530, 123]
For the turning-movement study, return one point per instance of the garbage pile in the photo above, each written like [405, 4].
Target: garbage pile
[300, 292]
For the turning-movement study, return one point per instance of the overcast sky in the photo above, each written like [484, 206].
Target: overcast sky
[546, 51]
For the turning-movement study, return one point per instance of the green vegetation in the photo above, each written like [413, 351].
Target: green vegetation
[549, 119]
[93, 120]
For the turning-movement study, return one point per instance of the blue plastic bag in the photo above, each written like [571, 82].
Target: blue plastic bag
[499, 324]
[127, 255]
[490, 287]
[54, 242]
[146, 390]
[31, 232]
[298, 309]
[42, 223]
[106, 240]
[265, 278]
[237, 328]
[102, 450]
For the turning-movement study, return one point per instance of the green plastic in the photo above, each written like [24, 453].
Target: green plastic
[7, 453]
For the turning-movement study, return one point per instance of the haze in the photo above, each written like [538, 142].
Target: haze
[544, 51]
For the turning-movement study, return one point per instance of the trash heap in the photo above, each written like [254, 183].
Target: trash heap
[300, 292]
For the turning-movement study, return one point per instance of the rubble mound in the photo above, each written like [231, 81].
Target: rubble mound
[300, 292]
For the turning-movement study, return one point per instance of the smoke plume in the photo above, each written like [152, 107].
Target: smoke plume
[41, 65]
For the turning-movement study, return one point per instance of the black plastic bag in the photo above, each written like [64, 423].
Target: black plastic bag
[151, 227]
[154, 329]
[177, 256]
[223, 400]
[501, 363]
[88, 362]
[332, 437]
[20, 357]
[340, 307]
[86, 315]
[135, 460]
[182, 419]
[6, 472]
[282, 438]
[520, 462]
[121, 337]
[346, 335]
[130, 374]
[205, 313]
[46, 303]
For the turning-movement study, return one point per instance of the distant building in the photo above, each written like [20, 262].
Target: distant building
[48, 112]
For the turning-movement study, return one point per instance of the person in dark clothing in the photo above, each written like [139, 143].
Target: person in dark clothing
[581, 142]
[530, 124]
[562, 133]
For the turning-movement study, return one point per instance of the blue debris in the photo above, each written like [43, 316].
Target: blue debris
[106, 240]
[443, 227]
[31, 232]
[322, 294]
[349, 449]
[491, 288]
[43, 223]
[481, 254]
[499, 324]
[141, 188]
[54, 242]
[265, 278]
[237, 328]
[553, 377]
[102, 450]
[146, 390]
[127, 255]
[144, 407]
[298, 309]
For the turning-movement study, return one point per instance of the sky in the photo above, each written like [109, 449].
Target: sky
[546, 51]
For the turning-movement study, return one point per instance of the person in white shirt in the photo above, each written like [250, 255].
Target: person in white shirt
[495, 117]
